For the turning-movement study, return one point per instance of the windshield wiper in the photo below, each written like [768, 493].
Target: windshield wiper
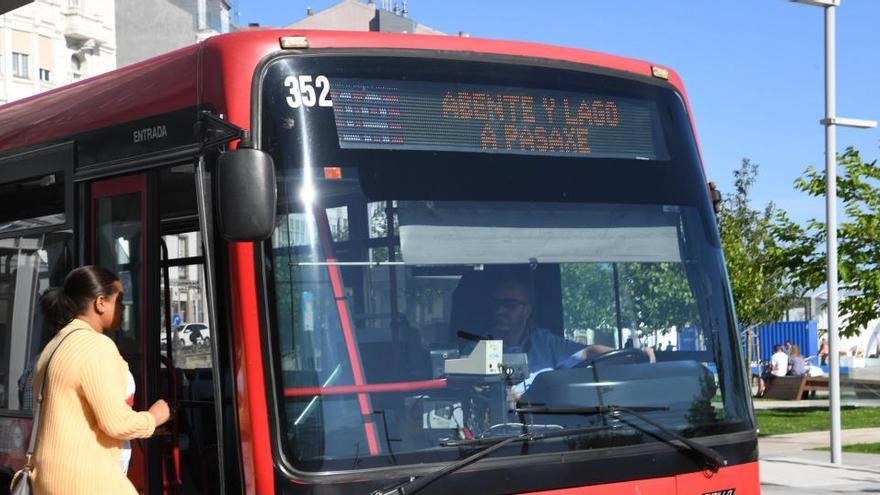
[714, 460]
[492, 444]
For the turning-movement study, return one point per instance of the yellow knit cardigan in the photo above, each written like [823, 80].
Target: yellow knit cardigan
[84, 417]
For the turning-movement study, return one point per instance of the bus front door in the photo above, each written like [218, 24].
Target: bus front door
[124, 238]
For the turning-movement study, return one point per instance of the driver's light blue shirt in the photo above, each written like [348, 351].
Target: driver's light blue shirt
[545, 349]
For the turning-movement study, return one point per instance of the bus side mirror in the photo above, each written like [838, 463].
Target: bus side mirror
[246, 194]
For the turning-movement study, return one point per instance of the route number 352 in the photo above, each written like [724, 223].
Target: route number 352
[306, 92]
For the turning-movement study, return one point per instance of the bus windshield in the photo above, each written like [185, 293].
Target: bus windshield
[457, 240]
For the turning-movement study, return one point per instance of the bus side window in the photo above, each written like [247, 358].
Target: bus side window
[28, 266]
[36, 218]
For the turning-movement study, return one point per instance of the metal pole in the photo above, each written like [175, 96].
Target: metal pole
[831, 225]
[749, 356]
[831, 121]
[617, 306]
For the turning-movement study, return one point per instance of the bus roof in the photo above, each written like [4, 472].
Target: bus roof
[170, 81]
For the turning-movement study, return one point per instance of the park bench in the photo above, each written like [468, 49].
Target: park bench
[794, 387]
[814, 383]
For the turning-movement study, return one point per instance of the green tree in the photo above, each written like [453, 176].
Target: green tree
[588, 296]
[759, 273]
[659, 296]
[858, 188]
[652, 297]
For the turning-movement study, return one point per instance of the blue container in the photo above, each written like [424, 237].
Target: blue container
[687, 339]
[804, 334]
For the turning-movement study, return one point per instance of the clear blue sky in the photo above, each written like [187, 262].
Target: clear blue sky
[753, 69]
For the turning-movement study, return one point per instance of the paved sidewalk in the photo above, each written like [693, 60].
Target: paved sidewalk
[789, 465]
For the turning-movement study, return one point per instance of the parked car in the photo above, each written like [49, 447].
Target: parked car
[190, 334]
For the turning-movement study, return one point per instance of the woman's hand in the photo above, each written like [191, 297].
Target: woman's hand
[160, 411]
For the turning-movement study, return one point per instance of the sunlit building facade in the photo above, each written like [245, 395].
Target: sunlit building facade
[50, 43]
[146, 28]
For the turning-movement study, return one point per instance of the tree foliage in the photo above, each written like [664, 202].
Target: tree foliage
[858, 234]
[759, 274]
[588, 296]
[652, 296]
[660, 296]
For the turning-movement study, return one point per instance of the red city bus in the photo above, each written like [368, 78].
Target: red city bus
[415, 264]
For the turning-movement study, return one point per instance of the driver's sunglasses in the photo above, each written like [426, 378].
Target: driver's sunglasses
[508, 304]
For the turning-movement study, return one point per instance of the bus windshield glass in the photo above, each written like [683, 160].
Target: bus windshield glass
[460, 239]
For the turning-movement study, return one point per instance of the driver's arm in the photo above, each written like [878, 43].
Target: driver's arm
[594, 350]
[597, 349]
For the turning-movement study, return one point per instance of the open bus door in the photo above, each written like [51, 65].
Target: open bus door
[121, 232]
[145, 228]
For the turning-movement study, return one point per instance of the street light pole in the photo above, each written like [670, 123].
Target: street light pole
[831, 237]
[831, 122]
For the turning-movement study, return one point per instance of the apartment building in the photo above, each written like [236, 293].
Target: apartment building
[49, 43]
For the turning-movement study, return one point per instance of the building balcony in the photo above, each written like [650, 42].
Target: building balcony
[82, 27]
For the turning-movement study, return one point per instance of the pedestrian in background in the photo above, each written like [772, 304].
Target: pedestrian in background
[84, 416]
[797, 366]
[823, 351]
[778, 366]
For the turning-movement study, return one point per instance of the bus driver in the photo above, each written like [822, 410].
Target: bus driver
[511, 321]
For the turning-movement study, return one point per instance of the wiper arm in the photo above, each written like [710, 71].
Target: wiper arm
[714, 460]
[525, 437]
[413, 485]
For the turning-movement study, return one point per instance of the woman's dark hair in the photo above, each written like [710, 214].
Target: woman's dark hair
[83, 285]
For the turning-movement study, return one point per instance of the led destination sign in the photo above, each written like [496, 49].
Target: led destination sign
[379, 114]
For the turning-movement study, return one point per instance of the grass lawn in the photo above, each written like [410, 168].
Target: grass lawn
[860, 448]
[780, 421]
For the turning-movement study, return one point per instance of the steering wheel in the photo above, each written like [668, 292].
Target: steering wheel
[617, 356]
